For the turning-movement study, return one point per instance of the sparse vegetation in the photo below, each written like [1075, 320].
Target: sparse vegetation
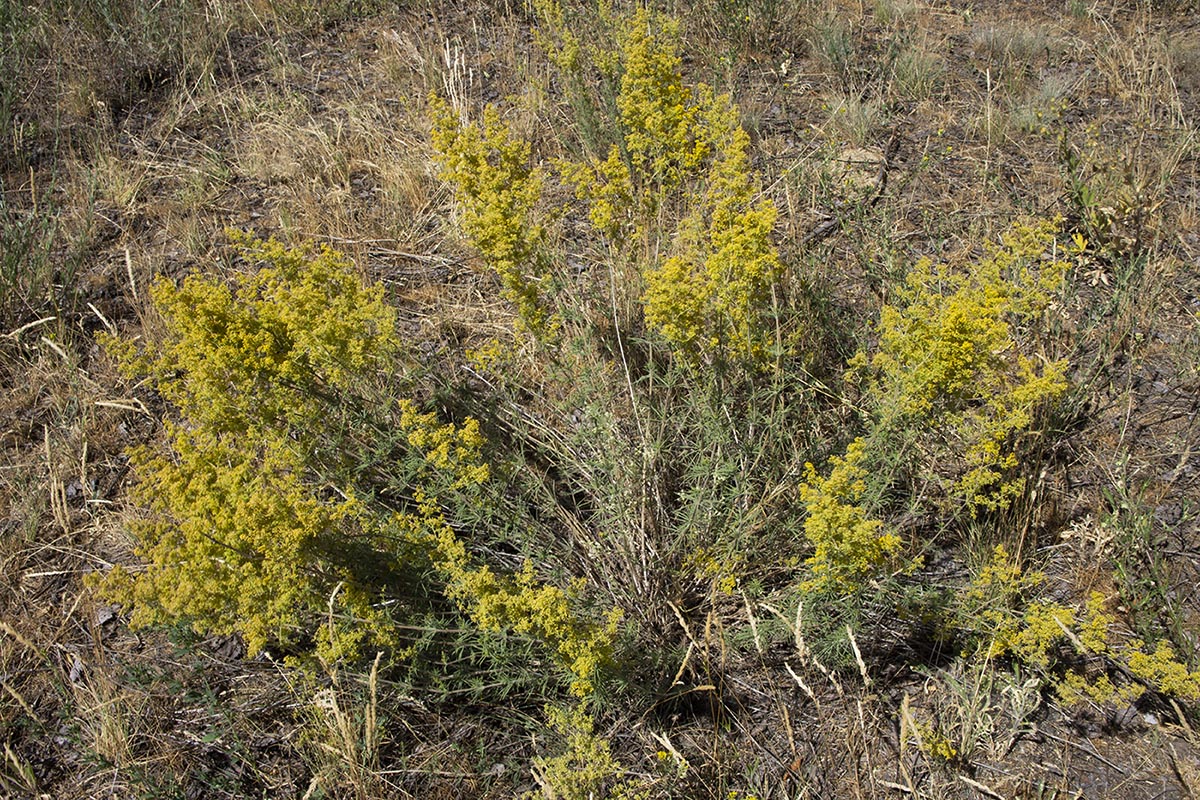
[735, 399]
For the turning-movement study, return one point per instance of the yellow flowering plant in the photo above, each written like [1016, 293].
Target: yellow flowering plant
[678, 173]
[955, 374]
[952, 360]
[294, 501]
[237, 538]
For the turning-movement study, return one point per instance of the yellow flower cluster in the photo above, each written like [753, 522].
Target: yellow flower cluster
[849, 544]
[259, 357]
[235, 532]
[662, 144]
[453, 451]
[677, 172]
[934, 743]
[497, 191]
[586, 767]
[712, 295]
[1163, 670]
[658, 117]
[247, 534]
[950, 360]
[994, 609]
[517, 603]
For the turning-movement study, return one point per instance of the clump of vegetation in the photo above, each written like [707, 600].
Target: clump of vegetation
[959, 355]
[849, 544]
[679, 173]
[586, 767]
[713, 295]
[1002, 618]
[497, 192]
[954, 376]
[631, 519]
[237, 524]
[262, 521]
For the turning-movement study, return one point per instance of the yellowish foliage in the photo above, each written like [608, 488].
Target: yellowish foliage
[451, 450]
[259, 356]
[849, 544]
[951, 357]
[1000, 584]
[1163, 670]
[519, 603]
[656, 109]
[1075, 688]
[934, 743]
[586, 767]
[235, 532]
[497, 191]
[1034, 636]
[713, 295]
[954, 369]
[680, 153]
[245, 535]
[1093, 631]
[662, 143]
[994, 609]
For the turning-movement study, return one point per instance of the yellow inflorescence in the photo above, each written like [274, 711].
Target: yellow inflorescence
[234, 528]
[240, 538]
[849, 544]
[713, 294]
[994, 609]
[679, 172]
[498, 192]
[950, 358]
[1163, 670]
